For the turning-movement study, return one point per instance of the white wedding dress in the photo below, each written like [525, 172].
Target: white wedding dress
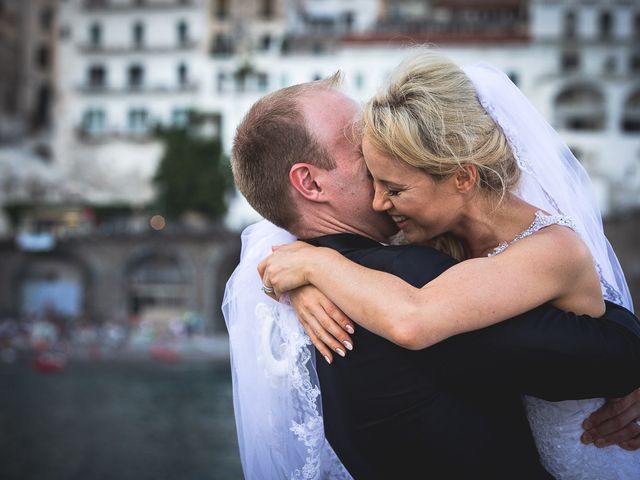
[557, 426]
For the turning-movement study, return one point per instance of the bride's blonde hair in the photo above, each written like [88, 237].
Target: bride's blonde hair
[428, 115]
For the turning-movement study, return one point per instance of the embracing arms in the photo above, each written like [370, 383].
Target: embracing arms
[544, 352]
[471, 295]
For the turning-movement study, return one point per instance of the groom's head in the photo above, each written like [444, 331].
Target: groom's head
[297, 159]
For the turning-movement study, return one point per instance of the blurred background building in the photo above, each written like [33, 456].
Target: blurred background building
[87, 85]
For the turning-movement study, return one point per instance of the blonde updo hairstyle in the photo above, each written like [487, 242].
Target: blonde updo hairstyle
[429, 117]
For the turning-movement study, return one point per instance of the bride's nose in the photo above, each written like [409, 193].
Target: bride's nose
[380, 200]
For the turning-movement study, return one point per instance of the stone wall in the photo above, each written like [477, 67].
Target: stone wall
[108, 265]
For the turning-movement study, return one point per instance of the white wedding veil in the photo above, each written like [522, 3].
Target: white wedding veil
[276, 396]
[552, 178]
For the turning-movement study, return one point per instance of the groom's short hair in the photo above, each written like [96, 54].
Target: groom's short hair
[272, 137]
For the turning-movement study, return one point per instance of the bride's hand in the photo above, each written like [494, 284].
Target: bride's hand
[323, 321]
[288, 267]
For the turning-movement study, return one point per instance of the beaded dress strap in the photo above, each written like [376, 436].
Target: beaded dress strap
[540, 221]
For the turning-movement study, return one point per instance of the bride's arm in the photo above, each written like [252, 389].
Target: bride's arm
[471, 295]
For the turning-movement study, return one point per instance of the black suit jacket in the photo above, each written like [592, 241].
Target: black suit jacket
[454, 410]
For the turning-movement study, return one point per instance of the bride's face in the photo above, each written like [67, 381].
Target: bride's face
[421, 207]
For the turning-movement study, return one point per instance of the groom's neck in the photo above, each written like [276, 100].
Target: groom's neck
[324, 226]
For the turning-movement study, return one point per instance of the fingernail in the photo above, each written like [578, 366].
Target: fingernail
[587, 424]
[340, 352]
[349, 328]
[586, 438]
[348, 345]
[327, 359]
[601, 443]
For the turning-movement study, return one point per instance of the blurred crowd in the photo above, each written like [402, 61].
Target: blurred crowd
[51, 336]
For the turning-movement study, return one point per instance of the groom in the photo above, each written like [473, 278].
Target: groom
[450, 411]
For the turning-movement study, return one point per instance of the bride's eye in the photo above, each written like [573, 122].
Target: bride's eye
[393, 193]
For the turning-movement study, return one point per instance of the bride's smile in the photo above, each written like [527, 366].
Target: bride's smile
[422, 206]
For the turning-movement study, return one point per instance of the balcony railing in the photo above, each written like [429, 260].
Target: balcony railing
[97, 136]
[585, 110]
[580, 117]
[89, 48]
[144, 89]
[110, 5]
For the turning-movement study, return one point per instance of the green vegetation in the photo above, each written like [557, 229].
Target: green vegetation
[193, 175]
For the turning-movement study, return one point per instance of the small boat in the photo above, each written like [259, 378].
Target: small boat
[164, 354]
[49, 362]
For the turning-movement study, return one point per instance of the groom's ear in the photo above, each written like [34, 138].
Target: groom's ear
[306, 179]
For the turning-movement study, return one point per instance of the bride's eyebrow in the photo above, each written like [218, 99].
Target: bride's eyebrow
[396, 186]
[390, 184]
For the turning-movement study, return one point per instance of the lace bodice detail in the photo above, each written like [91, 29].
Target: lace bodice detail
[540, 221]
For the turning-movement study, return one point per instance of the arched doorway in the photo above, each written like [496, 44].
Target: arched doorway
[580, 107]
[158, 287]
[52, 286]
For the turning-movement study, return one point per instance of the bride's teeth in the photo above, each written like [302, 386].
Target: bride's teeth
[398, 219]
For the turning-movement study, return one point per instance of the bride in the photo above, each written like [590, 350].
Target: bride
[463, 159]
